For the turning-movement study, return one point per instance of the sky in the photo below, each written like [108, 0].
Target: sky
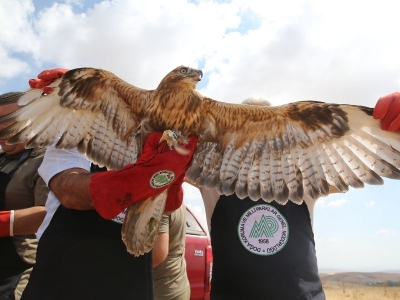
[283, 51]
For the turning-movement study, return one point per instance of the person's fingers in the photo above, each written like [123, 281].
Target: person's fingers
[382, 106]
[391, 115]
[52, 74]
[395, 124]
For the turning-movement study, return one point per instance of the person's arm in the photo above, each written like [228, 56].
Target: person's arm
[161, 246]
[71, 187]
[28, 220]
[157, 169]
[111, 192]
[22, 221]
[160, 250]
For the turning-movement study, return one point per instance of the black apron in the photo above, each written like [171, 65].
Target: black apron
[81, 256]
[291, 273]
[11, 264]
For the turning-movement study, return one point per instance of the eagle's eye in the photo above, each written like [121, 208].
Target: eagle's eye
[184, 70]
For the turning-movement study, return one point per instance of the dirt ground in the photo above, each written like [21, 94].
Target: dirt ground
[341, 291]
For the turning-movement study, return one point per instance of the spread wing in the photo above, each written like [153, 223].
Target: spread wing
[90, 109]
[287, 152]
[284, 152]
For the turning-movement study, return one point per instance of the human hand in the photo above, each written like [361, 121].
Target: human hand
[156, 169]
[45, 78]
[175, 191]
[175, 195]
[387, 109]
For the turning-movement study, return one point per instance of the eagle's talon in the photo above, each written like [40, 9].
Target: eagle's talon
[172, 137]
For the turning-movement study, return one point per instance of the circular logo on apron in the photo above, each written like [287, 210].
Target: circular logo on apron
[263, 230]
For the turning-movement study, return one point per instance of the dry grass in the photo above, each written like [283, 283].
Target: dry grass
[343, 290]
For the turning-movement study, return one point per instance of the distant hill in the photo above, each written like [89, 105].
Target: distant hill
[392, 271]
[364, 278]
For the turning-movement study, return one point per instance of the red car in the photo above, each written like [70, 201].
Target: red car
[198, 255]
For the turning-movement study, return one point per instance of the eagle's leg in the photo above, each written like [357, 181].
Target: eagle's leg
[142, 219]
[141, 224]
[174, 138]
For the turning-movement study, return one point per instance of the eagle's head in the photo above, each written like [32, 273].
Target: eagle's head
[182, 77]
[176, 105]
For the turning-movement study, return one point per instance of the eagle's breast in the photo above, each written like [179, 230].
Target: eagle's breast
[179, 110]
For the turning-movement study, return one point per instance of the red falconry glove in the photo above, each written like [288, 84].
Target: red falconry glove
[387, 109]
[45, 78]
[175, 195]
[156, 169]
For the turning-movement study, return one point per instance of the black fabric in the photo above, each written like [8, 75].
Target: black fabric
[290, 274]
[81, 256]
[8, 286]
[11, 264]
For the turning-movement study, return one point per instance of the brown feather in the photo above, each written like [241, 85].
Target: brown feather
[280, 153]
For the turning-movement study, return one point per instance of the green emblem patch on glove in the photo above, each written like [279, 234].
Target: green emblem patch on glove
[161, 179]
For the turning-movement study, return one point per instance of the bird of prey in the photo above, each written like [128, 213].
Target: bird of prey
[280, 153]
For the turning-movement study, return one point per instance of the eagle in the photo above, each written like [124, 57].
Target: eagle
[276, 153]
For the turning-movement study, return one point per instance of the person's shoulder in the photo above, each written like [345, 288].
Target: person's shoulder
[179, 215]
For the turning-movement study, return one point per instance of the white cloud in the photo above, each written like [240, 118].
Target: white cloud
[385, 233]
[337, 203]
[321, 202]
[283, 52]
[370, 204]
[16, 37]
[139, 40]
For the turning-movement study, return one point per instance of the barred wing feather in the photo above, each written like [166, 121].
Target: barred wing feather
[298, 159]
[280, 153]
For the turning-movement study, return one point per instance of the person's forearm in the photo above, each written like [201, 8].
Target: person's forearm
[71, 187]
[160, 249]
[28, 220]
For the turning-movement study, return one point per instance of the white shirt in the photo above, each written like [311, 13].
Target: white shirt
[54, 162]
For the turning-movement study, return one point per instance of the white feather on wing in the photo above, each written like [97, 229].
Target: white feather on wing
[273, 153]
